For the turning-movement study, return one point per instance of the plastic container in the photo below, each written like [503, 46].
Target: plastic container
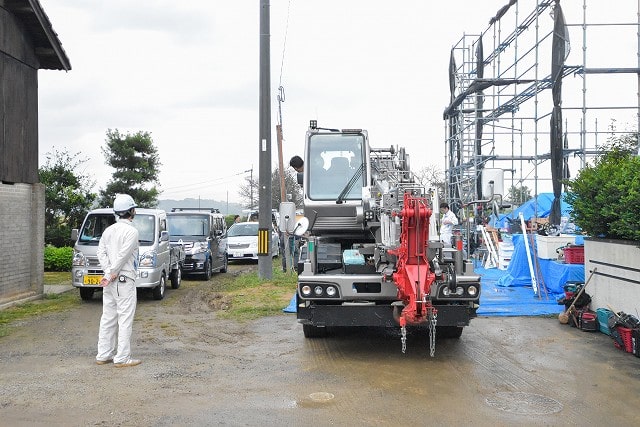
[352, 257]
[547, 246]
[627, 339]
[574, 254]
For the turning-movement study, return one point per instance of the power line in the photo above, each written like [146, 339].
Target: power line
[204, 182]
[284, 45]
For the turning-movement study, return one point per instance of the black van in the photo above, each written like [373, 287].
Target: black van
[202, 232]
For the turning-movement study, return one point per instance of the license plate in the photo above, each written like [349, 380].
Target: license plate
[92, 280]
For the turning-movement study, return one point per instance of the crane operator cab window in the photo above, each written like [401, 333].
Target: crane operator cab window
[335, 167]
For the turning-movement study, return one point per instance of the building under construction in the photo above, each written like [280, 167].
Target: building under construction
[537, 93]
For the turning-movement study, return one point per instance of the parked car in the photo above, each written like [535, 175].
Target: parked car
[202, 232]
[242, 241]
[158, 261]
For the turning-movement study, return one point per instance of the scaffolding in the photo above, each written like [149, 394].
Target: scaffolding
[552, 74]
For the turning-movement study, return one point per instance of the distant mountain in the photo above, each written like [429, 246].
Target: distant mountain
[223, 207]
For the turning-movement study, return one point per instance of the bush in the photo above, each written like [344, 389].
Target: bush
[57, 259]
[606, 196]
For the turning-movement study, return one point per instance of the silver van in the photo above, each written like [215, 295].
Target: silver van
[158, 262]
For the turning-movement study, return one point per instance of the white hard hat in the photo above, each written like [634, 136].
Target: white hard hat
[122, 203]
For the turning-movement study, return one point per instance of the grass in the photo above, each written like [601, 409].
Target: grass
[48, 304]
[57, 278]
[248, 296]
[251, 297]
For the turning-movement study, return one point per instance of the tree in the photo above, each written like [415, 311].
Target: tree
[431, 177]
[518, 195]
[291, 187]
[604, 196]
[68, 195]
[136, 162]
[250, 190]
[249, 193]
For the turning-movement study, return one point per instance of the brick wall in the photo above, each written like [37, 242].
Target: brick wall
[21, 241]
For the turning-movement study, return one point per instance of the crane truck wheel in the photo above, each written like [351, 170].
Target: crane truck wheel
[448, 331]
[311, 331]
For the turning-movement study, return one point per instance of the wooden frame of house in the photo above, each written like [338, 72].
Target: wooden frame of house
[28, 43]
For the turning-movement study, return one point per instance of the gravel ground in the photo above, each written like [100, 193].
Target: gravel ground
[201, 370]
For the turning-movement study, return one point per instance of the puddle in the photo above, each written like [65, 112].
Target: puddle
[317, 399]
[321, 397]
[524, 403]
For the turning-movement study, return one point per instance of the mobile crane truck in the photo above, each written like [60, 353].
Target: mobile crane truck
[366, 258]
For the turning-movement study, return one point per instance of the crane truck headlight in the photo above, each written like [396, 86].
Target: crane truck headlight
[446, 291]
[318, 290]
[306, 290]
[472, 290]
[331, 291]
[459, 291]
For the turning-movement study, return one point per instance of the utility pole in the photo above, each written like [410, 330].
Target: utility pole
[265, 267]
[284, 236]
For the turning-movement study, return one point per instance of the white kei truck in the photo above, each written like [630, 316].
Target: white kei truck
[158, 262]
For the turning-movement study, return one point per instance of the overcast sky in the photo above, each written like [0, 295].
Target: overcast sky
[188, 73]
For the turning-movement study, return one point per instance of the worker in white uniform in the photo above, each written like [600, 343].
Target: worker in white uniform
[118, 256]
[447, 221]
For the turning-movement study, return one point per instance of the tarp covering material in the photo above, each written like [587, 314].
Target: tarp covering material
[478, 85]
[512, 301]
[530, 210]
[479, 122]
[559, 52]
[552, 275]
[291, 308]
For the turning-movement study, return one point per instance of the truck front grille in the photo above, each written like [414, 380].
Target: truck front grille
[337, 223]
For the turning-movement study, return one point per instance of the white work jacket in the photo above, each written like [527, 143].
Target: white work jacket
[118, 249]
[449, 219]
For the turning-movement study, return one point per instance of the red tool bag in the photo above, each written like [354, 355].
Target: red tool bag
[589, 321]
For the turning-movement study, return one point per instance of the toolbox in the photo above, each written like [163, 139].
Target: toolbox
[588, 321]
[604, 314]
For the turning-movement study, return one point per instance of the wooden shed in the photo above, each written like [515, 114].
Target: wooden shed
[28, 43]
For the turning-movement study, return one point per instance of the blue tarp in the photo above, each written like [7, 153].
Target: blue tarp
[539, 207]
[498, 300]
[551, 274]
[291, 308]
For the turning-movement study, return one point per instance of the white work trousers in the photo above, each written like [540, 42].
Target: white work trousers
[118, 308]
[446, 239]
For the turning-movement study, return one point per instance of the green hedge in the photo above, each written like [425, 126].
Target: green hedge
[606, 197]
[57, 259]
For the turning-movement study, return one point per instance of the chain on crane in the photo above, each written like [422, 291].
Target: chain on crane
[433, 320]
